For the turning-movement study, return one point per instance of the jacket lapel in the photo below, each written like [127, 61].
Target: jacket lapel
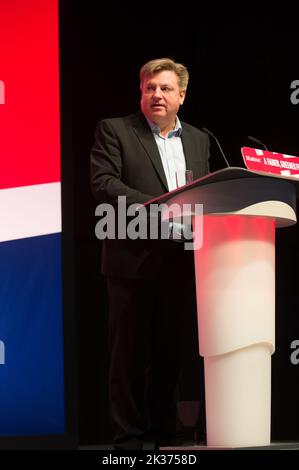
[144, 134]
[190, 152]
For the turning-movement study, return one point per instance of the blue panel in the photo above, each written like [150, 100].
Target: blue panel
[31, 340]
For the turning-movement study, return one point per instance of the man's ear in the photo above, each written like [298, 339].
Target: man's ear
[182, 96]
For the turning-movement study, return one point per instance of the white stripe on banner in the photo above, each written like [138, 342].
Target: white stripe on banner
[30, 211]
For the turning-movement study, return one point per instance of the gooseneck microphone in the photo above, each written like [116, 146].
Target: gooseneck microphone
[210, 133]
[256, 141]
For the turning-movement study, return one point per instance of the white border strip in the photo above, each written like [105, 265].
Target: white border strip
[30, 211]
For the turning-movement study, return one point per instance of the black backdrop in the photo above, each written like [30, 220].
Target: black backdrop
[241, 66]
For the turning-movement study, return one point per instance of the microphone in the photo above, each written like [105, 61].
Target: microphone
[210, 133]
[256, 141]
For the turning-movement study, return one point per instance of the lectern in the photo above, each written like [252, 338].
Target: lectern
[235, 289]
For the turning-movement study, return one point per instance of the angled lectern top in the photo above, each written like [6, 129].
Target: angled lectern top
[235, 189]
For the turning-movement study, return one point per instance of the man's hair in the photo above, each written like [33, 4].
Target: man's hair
[159, 65]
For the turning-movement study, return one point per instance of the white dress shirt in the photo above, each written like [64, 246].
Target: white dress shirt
[172, 154]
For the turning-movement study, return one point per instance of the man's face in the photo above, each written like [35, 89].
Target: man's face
[161, 97]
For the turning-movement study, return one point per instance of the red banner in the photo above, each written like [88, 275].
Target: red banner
[29, 93]
[270, 162]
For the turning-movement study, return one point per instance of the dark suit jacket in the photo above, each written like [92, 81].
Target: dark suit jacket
[125, 161]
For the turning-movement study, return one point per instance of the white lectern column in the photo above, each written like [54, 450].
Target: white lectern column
[235, 288]
[235, 283]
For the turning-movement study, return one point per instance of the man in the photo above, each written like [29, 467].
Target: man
[142, 156]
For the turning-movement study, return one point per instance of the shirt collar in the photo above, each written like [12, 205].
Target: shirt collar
[176, 132]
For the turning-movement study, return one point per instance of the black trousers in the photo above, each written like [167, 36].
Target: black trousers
[149, 324]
